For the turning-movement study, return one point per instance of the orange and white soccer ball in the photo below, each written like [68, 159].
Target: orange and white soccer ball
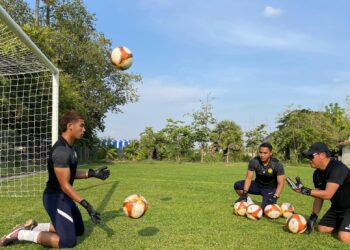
[122, 58]
[273, 211]
[240, 208]
[254, 212]
[296, 223]
[135, 206]
[287, 209]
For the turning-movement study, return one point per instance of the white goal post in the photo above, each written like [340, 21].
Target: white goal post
[29, 91]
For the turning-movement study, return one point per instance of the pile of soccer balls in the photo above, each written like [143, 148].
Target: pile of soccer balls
[296, 223]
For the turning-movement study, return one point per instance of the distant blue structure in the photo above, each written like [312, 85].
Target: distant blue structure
[120, 144]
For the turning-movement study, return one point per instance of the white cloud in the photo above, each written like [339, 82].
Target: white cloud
[216, 30]
[226, 33]
[272, 12]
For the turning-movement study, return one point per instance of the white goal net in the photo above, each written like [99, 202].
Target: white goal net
[28, 111]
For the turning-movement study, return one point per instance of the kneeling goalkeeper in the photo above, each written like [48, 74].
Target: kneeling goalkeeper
[60, 195]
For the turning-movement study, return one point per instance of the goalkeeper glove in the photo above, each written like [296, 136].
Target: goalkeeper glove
[298, 185]
[304, 190]
[310, 223]
[95, 216]
[243, 197]
[272, 200]
[100, 173]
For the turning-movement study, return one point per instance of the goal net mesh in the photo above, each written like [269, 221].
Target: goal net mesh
[25, 117]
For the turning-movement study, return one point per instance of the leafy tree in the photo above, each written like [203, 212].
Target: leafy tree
[179, 138]
[148, 142]
[19, 10]
[89, 83]
[203, 119]
[254, 138]
[161, 151]
[111, 154]
[339, 119]
[347, 109]
[228, 136]
[298, 129]
[133, 152]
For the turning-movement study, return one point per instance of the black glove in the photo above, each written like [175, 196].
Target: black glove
[304, 190]
[100, 173]
[95, 216]
[243, 197]
[272, 200]
[298, 185]
[310, 223]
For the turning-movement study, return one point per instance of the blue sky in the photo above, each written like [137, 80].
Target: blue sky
[256, 58]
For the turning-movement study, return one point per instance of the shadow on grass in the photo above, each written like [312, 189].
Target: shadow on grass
[106, 216]
[279, 220]
[98, 185]
[166, 198]
[148, 231]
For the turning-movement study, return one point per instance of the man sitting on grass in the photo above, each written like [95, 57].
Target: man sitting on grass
[269, 178]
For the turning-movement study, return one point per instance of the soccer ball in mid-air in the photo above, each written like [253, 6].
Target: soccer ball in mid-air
[273, 211]
[296, 223]
[122, 58]
[254, 212]
[287, 209]
[240, 208]
[135, 206]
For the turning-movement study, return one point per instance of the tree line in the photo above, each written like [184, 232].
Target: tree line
[205, 139]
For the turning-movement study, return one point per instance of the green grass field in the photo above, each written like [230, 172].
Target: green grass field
[190, 208]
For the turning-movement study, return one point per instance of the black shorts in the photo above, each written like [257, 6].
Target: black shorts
[65, 217]
[339, 220]
[266, 192]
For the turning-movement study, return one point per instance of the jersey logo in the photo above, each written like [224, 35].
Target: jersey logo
[270, 170]
[348, 227]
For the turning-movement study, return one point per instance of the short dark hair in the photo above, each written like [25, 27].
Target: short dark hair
[266, 145]
[69, 117]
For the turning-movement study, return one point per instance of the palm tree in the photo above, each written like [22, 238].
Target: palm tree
[36, 12]
[48, 4]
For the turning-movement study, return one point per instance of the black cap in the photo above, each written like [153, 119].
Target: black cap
[317, 147]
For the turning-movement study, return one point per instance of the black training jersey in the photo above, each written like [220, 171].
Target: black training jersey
[61, 155]
[335, 172]
[266, 176]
